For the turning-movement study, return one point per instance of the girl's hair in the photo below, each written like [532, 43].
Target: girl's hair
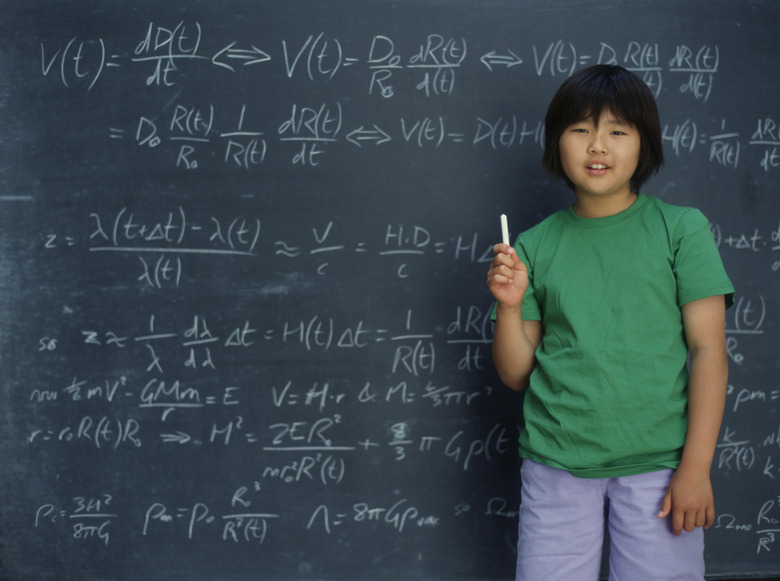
[586, 94]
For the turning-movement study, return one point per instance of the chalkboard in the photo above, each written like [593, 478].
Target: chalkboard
[244, 327]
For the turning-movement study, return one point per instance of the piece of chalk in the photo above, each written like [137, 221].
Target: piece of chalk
[504, 229]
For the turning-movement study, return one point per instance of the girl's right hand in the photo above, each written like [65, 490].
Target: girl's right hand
[507, 278]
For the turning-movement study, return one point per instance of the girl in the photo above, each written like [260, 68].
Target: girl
[597, 309]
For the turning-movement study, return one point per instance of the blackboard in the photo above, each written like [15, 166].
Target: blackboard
[244, 325]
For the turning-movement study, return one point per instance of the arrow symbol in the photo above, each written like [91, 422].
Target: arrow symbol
[251, 56]
[177, 438]
[492, 58]
[361, 134]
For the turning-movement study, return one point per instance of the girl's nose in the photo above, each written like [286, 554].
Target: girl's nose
[597, 145]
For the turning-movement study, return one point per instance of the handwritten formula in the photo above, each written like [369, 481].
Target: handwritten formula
[245, 330]
[193, 131]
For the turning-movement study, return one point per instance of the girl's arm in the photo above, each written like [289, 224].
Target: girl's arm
[689, 497]
[515, 341]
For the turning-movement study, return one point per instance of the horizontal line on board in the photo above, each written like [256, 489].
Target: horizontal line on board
[311, 449]
[744, 332]
[317, 139]
[195, 139]
[176, 250]
[171, 405]
[691, 70]
[166, 57]
[248, 515]
[326, 249]
[160, 336]
[434, 66]
[200, 342]
[728, 444]
[241, 134]
[93, 515]
[389, 252]
[16, 198]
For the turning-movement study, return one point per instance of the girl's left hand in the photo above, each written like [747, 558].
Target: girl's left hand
[690, 501]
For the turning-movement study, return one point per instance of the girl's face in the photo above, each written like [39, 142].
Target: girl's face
[600, 159]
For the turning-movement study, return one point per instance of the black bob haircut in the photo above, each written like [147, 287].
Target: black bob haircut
[586, 94]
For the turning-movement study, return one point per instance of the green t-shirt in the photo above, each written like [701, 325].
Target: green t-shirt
[608, 394]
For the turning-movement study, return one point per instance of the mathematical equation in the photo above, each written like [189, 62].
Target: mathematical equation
[166, 240]
[725, 148]
[160, 243]
[470, 325]
[166, 49]
[239, 521]
[197, 351]
[765, 527]
[192, 136]
[753, 242]
[242, 520]
[233, 348]
[243, 524]
[736, 453]
[196, 135]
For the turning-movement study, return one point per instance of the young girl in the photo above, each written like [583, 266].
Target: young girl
[597, 310]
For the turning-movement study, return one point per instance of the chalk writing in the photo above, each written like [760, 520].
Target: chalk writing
[90, 518]
[244, 321]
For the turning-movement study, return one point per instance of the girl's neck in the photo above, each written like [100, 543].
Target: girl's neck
[588, 206]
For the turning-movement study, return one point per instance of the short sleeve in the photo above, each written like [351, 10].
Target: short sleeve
[697, 264]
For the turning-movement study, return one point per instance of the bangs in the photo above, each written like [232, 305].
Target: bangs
[598, 95]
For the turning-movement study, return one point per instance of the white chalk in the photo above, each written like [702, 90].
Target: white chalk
[504, 229]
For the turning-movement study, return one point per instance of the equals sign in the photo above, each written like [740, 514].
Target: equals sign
[585, 59]
[111, 62]
[456, 137]
[349, 61]
[115, 133]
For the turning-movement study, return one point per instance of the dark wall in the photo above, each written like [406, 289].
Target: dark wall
[243, 319]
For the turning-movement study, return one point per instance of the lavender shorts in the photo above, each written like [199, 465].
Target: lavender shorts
[563, 520]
